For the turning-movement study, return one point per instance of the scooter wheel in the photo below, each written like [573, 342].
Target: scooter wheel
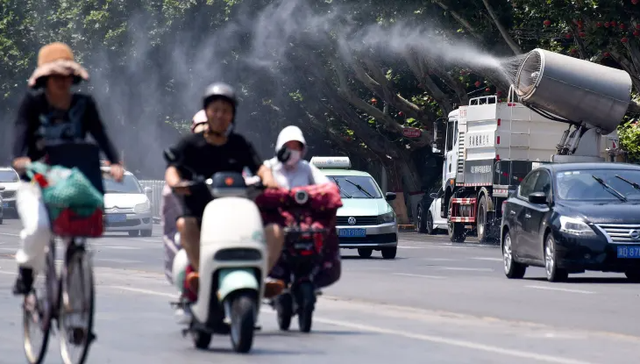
[201, 339]
[243, 310]
[307, 301]
[284, 308]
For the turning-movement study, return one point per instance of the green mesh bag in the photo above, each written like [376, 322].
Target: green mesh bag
[66, 189]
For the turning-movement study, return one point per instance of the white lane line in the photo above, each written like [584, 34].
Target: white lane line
[441, 259]
[116, 247]
[561, 289]
[10, 234]
[427, 338]
[123, 261]
[417, 275]
[488, 259]
[467, 269]
[411, 247]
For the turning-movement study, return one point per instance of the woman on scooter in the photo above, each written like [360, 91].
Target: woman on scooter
[290, 170]
[171, 209]
[217, 149]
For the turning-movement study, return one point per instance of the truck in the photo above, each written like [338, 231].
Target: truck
[563, 114]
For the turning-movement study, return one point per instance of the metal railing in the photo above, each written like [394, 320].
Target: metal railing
[155, 196]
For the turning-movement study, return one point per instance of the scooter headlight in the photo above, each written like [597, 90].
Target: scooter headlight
[301, 197]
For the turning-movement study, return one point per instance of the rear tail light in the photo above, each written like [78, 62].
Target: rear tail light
[504, 205]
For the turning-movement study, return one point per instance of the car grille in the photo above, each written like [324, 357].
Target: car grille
[8, 194]
[360, 220]
[622, 233]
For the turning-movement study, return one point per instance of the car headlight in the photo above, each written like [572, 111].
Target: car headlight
[386, 218]
[573, 226]
[142, 207]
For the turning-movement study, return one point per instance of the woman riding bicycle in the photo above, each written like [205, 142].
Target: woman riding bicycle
[51, 115]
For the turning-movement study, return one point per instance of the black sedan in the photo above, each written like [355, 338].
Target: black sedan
[574, 217]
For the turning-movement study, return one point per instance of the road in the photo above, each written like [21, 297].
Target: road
[435, 303]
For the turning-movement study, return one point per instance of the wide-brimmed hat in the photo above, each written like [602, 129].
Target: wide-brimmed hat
[57, 59]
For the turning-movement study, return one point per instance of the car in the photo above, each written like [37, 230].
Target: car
[429, 220]
[127, 207]
[10, 181]
[366, 221]
[572, 218]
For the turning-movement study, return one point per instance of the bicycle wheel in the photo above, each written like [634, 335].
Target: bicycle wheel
[76, 306]
[37, 311]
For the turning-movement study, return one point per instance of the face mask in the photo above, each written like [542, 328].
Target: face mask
[294, 157]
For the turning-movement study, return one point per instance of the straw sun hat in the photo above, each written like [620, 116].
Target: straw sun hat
[57, 59]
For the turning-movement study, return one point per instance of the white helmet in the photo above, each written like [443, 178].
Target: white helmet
[179, 269]
[288, 134]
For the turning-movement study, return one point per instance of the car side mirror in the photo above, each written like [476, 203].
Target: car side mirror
[2, 188]
[390, 196]
[433, 195]
[147, 190]
[539, 198]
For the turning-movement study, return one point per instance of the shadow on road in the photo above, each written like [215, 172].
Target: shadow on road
[592, 280]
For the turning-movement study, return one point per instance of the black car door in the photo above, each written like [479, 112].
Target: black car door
[535, 218]
[517, 214]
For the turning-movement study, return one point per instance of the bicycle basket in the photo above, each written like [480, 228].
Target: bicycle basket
[74, 205]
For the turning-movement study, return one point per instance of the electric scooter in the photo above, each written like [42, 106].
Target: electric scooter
[233, 266]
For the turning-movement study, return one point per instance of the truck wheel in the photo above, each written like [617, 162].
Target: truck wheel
[483, 223]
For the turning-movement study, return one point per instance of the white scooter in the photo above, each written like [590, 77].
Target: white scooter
[233, 266]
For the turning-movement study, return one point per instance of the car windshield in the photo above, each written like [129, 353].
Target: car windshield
[357, 186]
[129, 185]
[598, 185]
[8, 176]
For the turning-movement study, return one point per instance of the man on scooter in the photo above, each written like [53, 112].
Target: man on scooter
[217, 149]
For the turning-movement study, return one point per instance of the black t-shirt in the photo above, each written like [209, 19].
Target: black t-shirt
[193, 155]
[38, 125]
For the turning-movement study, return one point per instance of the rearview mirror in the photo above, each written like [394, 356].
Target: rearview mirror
[538, 198]
[147, 190]
[2, 188]
[390, 196]
[433, 195]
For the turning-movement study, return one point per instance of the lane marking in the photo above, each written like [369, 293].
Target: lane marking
[467, 269]
[123, 261]
[116, 247]
[488, 259]
[417, 275]
[411, 247]
[428, 338]
[561, 289]
[441, 259]
[10, 234]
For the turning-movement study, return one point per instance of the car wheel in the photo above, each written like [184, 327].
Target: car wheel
[554, 273]
[365, 252]
[633, 275]
[512, 269]
[134, 233]
[429, 223]
[146, 233]
[420, 225]
[389, 253]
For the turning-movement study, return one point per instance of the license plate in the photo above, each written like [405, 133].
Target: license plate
[352, 233]
[632, 252]
[116, 218]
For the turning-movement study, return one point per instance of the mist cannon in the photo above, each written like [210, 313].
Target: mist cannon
[590, 97]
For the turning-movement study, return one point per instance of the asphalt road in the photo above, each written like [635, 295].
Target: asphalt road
[435, 303]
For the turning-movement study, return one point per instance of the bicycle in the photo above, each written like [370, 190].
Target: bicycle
[56, 301]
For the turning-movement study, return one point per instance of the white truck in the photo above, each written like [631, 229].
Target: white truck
[490, 146]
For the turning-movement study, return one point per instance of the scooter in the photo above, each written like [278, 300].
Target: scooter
[302, 256]
[233, 266]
